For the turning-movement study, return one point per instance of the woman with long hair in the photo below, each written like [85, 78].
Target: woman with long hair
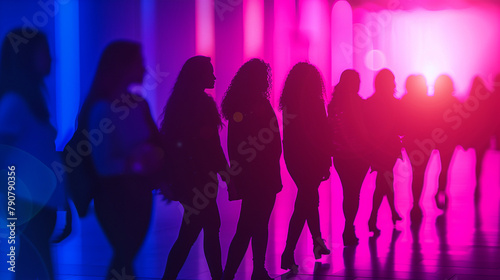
[190, 137]
[345, 113]
[247, 108]
[125, 153]
[307, 152]
[27, 148]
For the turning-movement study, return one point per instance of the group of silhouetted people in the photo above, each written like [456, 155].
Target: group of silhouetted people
[123, 156]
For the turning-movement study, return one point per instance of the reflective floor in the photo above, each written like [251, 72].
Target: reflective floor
[461, 243]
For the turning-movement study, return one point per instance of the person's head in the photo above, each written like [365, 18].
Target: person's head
[443, 87]
[302, 85]
[416, 86]
[197, 74]
[251, 83]
[120, 66]
[253, 77]
[28, 61]
[385, 83]
[24, 63]
[349, 82]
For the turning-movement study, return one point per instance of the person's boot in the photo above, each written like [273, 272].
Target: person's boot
[320, 248]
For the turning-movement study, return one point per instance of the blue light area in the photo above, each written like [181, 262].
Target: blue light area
[148, 36]
[67, 62]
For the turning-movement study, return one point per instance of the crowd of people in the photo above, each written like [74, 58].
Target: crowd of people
[124, 156]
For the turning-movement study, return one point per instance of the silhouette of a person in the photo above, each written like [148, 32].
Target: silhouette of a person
[307, 150]
[250, 115]
[444, 100]
[480, 126]
[345, 114]
[27, 147]
[496, 104]
[385, 146]
[190, 136]
[127, 155]
[416, 125]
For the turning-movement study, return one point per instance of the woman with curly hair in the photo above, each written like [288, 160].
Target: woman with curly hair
[307, 152]
[190, 136]
[247, 108]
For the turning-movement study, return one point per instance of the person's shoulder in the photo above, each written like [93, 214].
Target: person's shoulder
[13, 100]
[13, 103]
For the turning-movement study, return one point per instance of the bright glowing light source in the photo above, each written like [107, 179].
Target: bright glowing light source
[253, 27]
[462, 43]
[342, 44]
[375, 60]
[205, 44]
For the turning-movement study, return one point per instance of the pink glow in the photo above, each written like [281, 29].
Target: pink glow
[284, 27]
[314, 25]
[205, 44]
[461, 43]
[253, 28]
[341, 35]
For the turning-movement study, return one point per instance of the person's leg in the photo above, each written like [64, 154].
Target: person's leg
[351, 174]
[294, 230]
[378, 196]
[211, 241]
[188, 233]
[418, 165]
[391, 198]
[446, 155]
[123, 201]
[263, 207]
[312, 218]
[35, 258]
[480, 153]
[241, 238]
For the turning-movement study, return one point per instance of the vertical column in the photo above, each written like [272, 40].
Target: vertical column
[205, 44]
[205, 31]
[342, 45]
[284, 26]
[253, 29]
[149, 34]
[67, 66]
[315, 24]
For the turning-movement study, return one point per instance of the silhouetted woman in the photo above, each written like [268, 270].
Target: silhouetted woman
[444, 100]
[385, 145]
[190, 133]
[27, 152]
[345, 113]
[307, 152]
[247, 108]
[417, 123]
[127, 155]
